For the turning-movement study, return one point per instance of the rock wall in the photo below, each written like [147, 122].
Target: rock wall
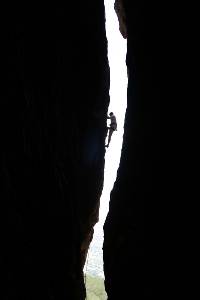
[54, 100]
[129, 244]
[53, 124]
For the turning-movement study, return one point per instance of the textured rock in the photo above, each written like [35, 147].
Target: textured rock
[129, 245]
[53, 120]
[120, 11]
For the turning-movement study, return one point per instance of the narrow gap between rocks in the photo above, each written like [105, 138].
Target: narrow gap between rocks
[94, 275]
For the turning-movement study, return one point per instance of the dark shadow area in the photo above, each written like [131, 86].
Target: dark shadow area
[53, 126]
[53, 109]
[129, 230]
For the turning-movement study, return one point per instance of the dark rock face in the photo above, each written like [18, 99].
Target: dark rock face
[53, 125]
[129, 248]
[53, 107]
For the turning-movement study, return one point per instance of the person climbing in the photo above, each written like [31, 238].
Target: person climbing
[112, 127]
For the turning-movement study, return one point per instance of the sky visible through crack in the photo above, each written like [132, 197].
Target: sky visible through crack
[118, 95]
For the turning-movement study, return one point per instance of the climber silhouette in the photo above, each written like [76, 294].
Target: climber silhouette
[112, 127]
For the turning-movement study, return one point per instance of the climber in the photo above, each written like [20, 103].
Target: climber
[112, 128]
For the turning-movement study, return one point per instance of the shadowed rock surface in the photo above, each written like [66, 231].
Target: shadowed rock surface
[129, 248]
[53, 108]
[53, 119]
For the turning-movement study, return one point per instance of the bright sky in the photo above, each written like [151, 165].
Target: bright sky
[118, 95]
[118, 102]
